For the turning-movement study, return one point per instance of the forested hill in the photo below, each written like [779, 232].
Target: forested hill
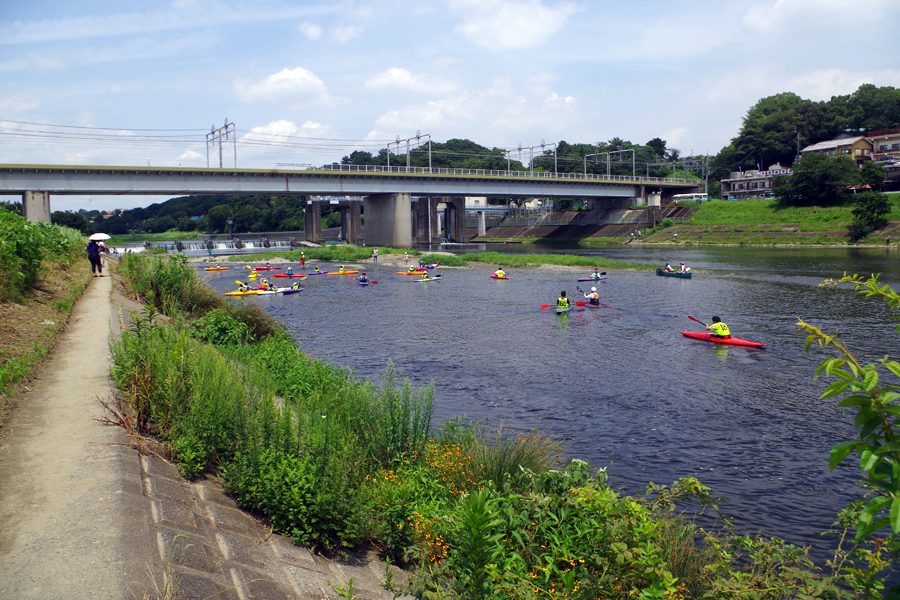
[775, 126]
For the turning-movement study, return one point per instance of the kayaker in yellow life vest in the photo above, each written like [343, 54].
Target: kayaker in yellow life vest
[425, 275]
[244, 287]
[412, 269]
[562, 301]
[341, 270]
[718, 328]
[296, 285]
[265, 284]
[317, 269]
[500, 272]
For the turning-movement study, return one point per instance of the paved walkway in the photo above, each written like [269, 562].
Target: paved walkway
[83, 515]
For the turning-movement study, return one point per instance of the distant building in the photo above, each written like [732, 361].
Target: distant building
[886, 145]
[742, 185]
[859, 148]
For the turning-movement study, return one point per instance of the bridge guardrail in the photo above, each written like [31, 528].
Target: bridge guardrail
[494, 173]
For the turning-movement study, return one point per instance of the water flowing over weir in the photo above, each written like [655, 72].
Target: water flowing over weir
[622, 388]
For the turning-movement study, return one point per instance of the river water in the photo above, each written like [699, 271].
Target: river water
[622, 388]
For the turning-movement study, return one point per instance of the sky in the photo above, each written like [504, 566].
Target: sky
[142, 82]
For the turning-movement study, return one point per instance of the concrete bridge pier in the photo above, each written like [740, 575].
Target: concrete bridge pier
[389, 220]
[351, 221]
[312, 221]
[36, 206]
[426, 229]
[454, 218]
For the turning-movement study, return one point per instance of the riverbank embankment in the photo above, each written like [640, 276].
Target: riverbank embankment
[84, 514]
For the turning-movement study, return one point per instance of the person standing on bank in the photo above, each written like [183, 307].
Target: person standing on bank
[93, 252]
[375, 255]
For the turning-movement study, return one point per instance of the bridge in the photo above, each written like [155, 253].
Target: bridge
[387, 194]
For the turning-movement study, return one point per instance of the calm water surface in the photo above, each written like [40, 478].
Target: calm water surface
[622, 388]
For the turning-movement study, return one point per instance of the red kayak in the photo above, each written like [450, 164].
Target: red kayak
[708, 337]
[495, 277]
[286, 275]
[266, 268]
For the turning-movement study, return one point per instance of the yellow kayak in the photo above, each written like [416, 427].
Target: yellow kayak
[216, 269]
[239, 293]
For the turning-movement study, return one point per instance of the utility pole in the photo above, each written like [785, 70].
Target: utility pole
[217, 136]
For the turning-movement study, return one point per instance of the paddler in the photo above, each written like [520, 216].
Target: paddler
[290, 270]
[302, 258]
[412, 268]
[265, 284]
[595, 274]
[562, 302]
[593, 297]
[718, 328]
[341, 270]
[685, 268]
[317, 269]
[668, 268]
[296, 285]
[500, 272]
[363, 278]
[425, 276]
[244, 287]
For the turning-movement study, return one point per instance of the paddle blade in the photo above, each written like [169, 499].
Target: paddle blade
[545, 306]
[698, 320]
[374, 282]
[603, 272]
[580, 303]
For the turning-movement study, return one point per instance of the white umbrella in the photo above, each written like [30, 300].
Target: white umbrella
[99, 236]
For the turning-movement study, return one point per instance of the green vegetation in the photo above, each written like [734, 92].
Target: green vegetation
[878, 417]
[473, 512]
[524, 261]
[331, 252]
[30, 253]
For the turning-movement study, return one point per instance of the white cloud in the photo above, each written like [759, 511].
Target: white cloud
[345, 33]
[493, 112]
[511, 24]
[296, 87]
[310, 30]
[397, 78]
[190, 154]
[783, 16]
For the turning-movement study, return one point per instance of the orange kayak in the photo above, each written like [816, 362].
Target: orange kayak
[344, 273]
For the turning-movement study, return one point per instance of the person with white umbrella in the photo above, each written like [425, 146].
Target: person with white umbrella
[93, 251]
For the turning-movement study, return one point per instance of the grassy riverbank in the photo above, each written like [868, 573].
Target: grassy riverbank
[766, 222]
[335, 462]
[43, 271]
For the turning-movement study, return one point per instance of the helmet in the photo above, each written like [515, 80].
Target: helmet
[364, 272]
[593, 289]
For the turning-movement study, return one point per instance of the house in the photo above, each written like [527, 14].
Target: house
[741, 185]
[860, 148]
[886, 145]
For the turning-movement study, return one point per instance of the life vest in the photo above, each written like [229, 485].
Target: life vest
[562, 303]
[720, 329]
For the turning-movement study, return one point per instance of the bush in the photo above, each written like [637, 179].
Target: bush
[667, 222]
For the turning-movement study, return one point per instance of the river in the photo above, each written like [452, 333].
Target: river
[623, 389]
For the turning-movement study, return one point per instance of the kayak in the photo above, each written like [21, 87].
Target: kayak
[436, 278]
[318, 273]
[411, 272]
[708, 337]
[342, 273]
[364, 282]
[562, 311]
[266, 268]
[676, 274]
[286, 275]
[239, 293]
[216, 268]
[591, 278]
[288, 291]
[495, 277]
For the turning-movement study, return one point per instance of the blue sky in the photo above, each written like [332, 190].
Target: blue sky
[309, 82]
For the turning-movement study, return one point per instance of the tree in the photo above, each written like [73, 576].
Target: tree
[817, 180]
[73, 220]
[872, 174]
[658, 145]
[869, 210]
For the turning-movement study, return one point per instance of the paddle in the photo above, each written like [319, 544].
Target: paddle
[580, 303]
[698, 320]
